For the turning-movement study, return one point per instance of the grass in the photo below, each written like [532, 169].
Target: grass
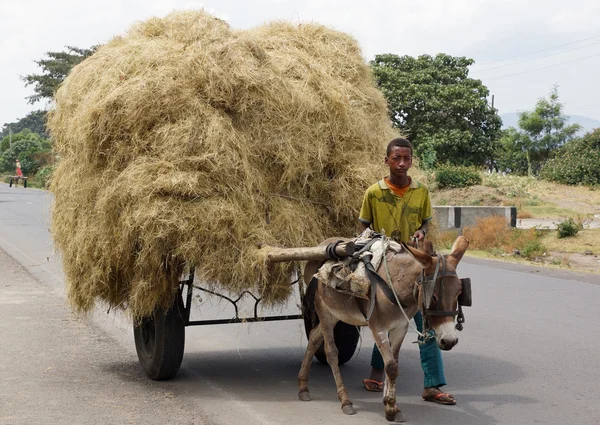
[491, 237]
[585, 240]
[533, 198]
[547, 210]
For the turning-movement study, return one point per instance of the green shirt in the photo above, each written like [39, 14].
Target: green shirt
[400, 217]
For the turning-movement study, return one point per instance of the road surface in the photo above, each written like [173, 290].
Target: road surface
[528, 354]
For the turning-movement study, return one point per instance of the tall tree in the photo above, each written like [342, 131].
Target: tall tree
[54, 70]
[34, 121]
[444, 112]
[544, 129]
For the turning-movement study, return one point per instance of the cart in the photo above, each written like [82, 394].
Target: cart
[160, 338]
[15, 180]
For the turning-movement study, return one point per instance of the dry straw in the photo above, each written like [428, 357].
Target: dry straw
[188, 142]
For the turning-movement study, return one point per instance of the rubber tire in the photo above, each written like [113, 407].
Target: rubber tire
[160, 341]
[346, 336]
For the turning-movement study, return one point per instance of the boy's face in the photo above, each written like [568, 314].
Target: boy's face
[399, 161]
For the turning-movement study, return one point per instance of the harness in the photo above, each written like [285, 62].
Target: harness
[427, 285]
[374, 278]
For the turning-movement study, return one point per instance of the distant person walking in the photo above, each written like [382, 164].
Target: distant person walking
[19, 172]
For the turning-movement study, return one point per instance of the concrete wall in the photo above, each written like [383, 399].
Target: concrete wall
[454, 217]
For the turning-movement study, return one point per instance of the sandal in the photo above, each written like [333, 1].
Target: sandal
[372, 385]
[437, 398]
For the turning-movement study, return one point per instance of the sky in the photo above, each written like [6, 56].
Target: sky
[521, 48]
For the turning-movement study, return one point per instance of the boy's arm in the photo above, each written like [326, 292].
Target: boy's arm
[366, 214]
[427, 215]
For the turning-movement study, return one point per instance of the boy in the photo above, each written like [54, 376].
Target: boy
[401, 207]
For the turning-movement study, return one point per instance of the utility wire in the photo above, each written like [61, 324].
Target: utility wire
[540, 57]
[539, 69]
[540, 51]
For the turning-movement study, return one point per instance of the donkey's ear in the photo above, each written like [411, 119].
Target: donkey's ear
[459, 247]
[420, 256]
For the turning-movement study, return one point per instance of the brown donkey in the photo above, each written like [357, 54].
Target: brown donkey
[436, 294]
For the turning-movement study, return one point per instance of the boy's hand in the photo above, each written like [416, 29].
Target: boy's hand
[419, 235]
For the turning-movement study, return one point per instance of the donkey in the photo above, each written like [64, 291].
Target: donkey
[420, 281]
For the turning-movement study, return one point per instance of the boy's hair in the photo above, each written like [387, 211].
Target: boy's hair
[401, 143]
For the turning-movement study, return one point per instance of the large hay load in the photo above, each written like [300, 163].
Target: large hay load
[188, 142]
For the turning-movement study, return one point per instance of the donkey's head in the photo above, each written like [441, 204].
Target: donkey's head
[439, 292]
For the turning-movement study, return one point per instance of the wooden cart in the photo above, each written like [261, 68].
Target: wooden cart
[160, 339]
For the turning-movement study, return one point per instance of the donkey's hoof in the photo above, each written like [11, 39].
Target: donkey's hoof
[348, 410]
[397, 417]
[304, 396]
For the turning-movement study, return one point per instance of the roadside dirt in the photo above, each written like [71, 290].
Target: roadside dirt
[579, 262]
[540, 205]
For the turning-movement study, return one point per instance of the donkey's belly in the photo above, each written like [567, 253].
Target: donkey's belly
[344, 307]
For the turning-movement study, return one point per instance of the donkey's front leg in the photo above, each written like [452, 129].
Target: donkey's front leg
[396, 338]
[314, 342]
[392, 412]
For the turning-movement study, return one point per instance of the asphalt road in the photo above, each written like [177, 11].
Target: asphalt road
[528, 354]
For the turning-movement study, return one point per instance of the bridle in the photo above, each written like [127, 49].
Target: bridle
[426, 285]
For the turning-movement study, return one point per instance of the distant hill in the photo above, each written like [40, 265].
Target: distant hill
[510, 120]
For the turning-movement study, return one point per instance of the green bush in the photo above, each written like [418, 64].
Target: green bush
[44, 175]
[567, 228]
[577, 162]
[448, 176]
[533, 248]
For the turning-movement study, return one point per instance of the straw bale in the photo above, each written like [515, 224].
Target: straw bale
[187, 142]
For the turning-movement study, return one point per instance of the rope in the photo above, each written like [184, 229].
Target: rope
[425, 337]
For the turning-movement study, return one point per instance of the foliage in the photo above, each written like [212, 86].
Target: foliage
[448, 176]
[45, 174]
[54, 71]
[441, 109]
[510, 155]
[25, 134]
[492, 234]
[29, 148]
[541, 132]
[567, 228]
[34, 121]
[577, 162]
[532, 248]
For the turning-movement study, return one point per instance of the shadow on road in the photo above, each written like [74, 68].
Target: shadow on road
[269, 375]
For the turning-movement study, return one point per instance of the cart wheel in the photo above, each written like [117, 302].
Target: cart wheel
[25, 184]
[160, 340]
[10, 183]
[346, 336]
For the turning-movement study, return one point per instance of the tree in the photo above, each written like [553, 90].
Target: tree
[34, 121]
[31, 149]
[444, 112]
[54, 71]
[540, 133]
[511, 154]
[576, 162]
